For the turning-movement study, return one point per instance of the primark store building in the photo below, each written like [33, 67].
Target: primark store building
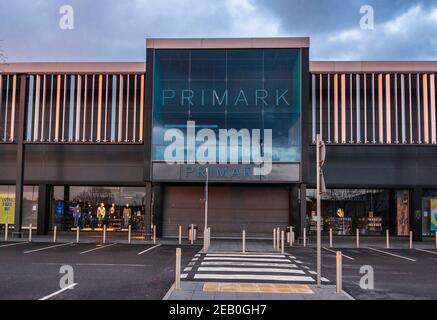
[116, 144]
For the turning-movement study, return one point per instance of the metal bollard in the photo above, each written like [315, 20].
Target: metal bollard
[209, 237]
[436, 239]
[282, 241]
[292, 238]
[30, 232]
[77, 234]
[180, 235]
[129, 234]
[278, 239]
[411, 239]
[6, 231]
[358, 238]
[339, 272]
[274, 238]
[330, 237]
[55, 229]
[192, 233]
[154, 234]
[304, 237]
[387, 238]
[104, 234]
[244, 241]
[178, 269]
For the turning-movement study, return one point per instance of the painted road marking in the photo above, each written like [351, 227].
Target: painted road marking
[247, 259]
[253, 277]
[233, 269]
[71, 286]
[47, 248]
[423, 250]
[94, 264]
[392, 254]
[147, 250]
[347, 257]
[98, 248]
[248, 264]
[12, 244]
[244, 255]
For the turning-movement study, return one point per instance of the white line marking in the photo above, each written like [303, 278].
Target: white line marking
[324, 279]
[184, 276]
[47, 248]
[312, 272]
[253, 277]
[298, 261]
[147, 250]
[347, 257]
[12, 244]
[392, 254]
[423, 250]
[244, 255]
[94, 264]
[227, 269]
[98, 248]
[71, 286]
[247, 264]
[188, 269]
[246, 259]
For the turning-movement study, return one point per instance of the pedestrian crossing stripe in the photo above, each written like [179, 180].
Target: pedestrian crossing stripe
[244, 255]
[236, 269]
[248, 264]
[246, 259]
[268, 277]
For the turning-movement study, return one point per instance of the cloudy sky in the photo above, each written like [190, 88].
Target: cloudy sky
[115, 30]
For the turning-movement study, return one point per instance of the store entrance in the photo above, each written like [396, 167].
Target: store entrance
[92, 208]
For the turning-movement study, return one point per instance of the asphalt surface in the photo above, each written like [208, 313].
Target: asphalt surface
[395, 277]
[112, 272]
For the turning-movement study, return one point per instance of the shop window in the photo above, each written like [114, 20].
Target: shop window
[92, 208]
[345, 210]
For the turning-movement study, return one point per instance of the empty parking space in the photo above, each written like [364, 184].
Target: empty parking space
[112, 271]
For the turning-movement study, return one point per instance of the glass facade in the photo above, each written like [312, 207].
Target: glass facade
[30, 205]
[254, 89]
[91, 208]
[345, 210]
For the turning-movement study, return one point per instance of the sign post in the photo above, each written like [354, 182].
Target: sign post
[321, 188]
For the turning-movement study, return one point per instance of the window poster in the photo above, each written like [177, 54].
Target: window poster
[433, 215]
[7, 209]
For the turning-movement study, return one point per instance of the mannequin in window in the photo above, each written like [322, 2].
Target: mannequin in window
[76, 215]
[126, 215]
[101, 213]
[112, 211]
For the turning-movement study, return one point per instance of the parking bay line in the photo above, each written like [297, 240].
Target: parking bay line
[98, 248]
[12, 244]
[347, 257]
[392, 254]
[47, 248]
[147, 250]
[71, 286]
[423, 250]
[94, 264]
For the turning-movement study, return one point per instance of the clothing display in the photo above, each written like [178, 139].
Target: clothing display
[126, 216]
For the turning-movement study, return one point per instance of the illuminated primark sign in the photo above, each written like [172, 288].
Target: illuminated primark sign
[235, 111]
[258, 97]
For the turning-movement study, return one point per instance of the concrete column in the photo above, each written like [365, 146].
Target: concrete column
[44, 195]
[19, 183]
[416, 214]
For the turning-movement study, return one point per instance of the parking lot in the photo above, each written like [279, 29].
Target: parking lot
[146, 271]
[398, 273]
[113, 271]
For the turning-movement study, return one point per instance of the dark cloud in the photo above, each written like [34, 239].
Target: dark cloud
[114, 30]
